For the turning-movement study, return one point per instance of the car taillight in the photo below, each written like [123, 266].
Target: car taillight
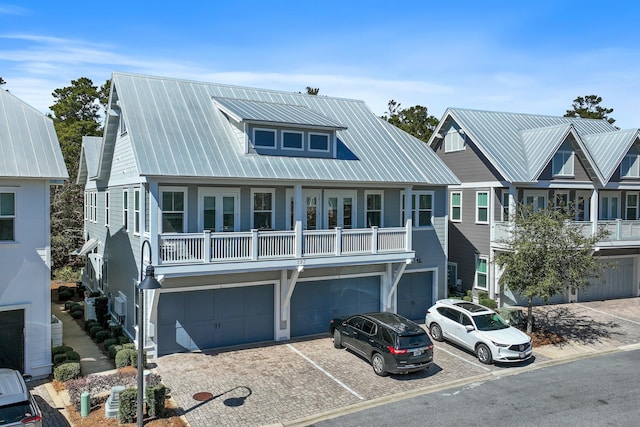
[30, 420]
[430, 346]
[393, 350]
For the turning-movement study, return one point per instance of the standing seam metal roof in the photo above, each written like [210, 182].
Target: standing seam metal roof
[176, 129]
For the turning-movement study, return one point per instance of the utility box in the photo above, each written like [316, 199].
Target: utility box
[112, 406]
[56, 332]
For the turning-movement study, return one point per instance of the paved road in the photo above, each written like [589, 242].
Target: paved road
[597, 391]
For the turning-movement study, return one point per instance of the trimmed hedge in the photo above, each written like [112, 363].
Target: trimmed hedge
[67, 371]
[156, 396]
[108, 342]
[65, 295]
[128, 406]
[94, 330]
[77, 313]
[126, 357]
[101, 336]
[90, 324]
[61, 349]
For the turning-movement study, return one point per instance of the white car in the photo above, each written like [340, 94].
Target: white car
[17, 405]
[478, 329]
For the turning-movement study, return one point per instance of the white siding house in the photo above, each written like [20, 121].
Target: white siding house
[30, 162]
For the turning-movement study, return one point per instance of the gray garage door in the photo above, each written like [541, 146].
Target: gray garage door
[314, 304]
[415, 295]
[12, 339]
[199, 320]
[616, 282]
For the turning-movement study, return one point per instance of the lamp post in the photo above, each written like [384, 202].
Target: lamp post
[148, 281]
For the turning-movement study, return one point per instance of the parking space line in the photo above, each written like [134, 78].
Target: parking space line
[462, 358]
[608, 314]
[315, 365]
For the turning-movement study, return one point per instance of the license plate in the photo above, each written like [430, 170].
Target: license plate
[417, 352]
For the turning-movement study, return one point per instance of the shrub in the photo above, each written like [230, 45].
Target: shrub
[67, 305]
[67, 371]
[468, 296]
[116, 330]
[129, 345]
[61, 349]
[488, 302]
[113, 350]
[94, 294]
[74, 305]
[77, 313]
[108, 342]
[72, 356]
[101, 336]
[59, 359]
[156, 400]
[90, 324]
[94, 330]
[128, 406]
[65, 295]
[126, 357]
[124, 339]
[67, 274]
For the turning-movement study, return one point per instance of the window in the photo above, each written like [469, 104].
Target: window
[505, 206]
[456, 206]
[481, 273]
[373, 210]
[340, 209]
[482, 207]
[632, 206]
[537, 201]
[265, 138]
[123, 126]
[173, 211]
[262, 209]
[318, 142]
[136, 211]
[609, 206]
[106, 208]
[86, 205]
[422, 215]
[630, 166]
[7, 216]
[310, 206]
[292, 140]
[562, 163]
[125, 209]
[453, 141]
[561, 202]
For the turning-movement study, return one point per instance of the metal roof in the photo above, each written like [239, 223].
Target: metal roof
[610, 148]
[89, 157]
[273, 113]
[29, 146]
[520, 145]
[176, 129]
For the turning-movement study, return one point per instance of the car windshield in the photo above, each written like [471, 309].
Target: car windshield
[490, 322]
[15, 412]
[411, 341]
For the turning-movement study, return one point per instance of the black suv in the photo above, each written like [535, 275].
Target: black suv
[392, 343]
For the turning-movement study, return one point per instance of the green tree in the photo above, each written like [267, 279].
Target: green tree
[588, 107]
[547, 253]
[2, 82]
[77, 112]
[413, 120]
[312, 90]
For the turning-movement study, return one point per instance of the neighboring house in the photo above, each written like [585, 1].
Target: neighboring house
[30, 163]
[267, 213]
[504, 159]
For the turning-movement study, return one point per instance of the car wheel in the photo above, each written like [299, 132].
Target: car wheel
[337, 339]
[484, 354]
[377, 361]
[436, 332]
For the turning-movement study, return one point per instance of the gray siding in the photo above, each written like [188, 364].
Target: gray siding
[579, 171]
[469, 165]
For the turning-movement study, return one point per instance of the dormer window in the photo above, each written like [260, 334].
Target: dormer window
[630, 166]
[318, 142]
[453, 141]
[123, 126]
[562, 164]
[292, 140]
[265, 138]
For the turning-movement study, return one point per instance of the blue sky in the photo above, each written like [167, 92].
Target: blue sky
[491, 55]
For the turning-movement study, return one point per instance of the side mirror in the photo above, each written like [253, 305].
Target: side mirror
[469, 328]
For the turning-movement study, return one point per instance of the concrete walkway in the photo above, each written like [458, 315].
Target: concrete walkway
[92, 360]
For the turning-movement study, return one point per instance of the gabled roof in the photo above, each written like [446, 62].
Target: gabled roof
[520, 145]
[176, 128]
[89, 158]
[610, 148]
[29, 146]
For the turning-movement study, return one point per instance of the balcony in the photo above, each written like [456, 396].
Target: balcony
[294, 247]
[621, 232]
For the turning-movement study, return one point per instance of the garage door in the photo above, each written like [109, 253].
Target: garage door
[199, 320]
[12, 339]
[616, 282]
[314, 304]
[415, 295]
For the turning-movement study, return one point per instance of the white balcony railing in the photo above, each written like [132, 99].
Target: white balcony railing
[207, 247]
[619, 230]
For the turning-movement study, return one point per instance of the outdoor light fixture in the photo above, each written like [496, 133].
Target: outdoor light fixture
[147, 282]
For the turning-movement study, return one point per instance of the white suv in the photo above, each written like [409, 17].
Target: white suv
[478, 329]
[17, 405]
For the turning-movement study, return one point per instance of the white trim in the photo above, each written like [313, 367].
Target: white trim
[536, 195]
[174, 189]
[610, 195]
[366, 211]
[415, 194]
[635, 164]
[271, 191]
[295, 132]
[328, 135]
[451, 206]
[567, 168]
[137, 213]
[306, 193]
[475, 274]
[268, 147]
[340, 195]
[487, 207]
[626, 204]
[14, 216]
[125, 208]
[219, 193]
[107, 208]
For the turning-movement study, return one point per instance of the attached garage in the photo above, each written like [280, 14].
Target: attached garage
[12, 339]
[415, 294]
[199, 320]
[315, 303]
[616, 282]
